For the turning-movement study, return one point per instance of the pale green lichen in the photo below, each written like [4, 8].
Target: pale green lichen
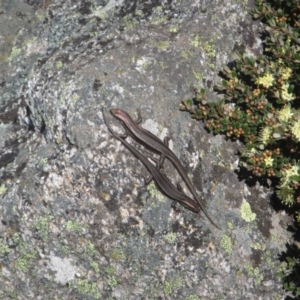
[12, 295]
[162, 45]
[196, 41]
[139, 12]
[15, 52]
[86, 288]
[95, 266]
[129, 22]
[99, 12]
[112, 281]
[226, 244]
[75, 97]
[258, 246]
[230, 225]
[162, 65]
[269, 260]
[16, 237]
[59, 64]
[157, 16]
[118, 254]
[44, 160]
[173, 285]
[2, 189]
[152, 190]
[25, 260]
[3, 248]
[198, 76]
[174, 28]
[42, 226]
[192, 297]
[73, 226]
[146, 64]
[209, 48]
[170, 237]
[65, 249]
[186, 54]
[246, 212]
[109, 270]
[254, 272]
[91, 248]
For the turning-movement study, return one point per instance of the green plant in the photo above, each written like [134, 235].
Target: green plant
[260, 104]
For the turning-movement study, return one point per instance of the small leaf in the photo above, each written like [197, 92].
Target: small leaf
[188, 103]
[295, 177]
[224, 83]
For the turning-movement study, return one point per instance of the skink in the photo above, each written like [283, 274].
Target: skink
[154, 143]
[161, 181]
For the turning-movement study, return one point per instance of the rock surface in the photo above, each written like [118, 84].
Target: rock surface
[76, 221]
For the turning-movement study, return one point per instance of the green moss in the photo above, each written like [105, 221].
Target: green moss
[170, 237]
[246, 212]
[87, 288]
[226, 244]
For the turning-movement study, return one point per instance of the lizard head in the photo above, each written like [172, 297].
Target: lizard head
[119, 114]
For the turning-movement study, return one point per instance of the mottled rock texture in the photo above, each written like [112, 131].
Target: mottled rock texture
[76, 221]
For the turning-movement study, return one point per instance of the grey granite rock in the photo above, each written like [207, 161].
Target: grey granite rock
[76, 222]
